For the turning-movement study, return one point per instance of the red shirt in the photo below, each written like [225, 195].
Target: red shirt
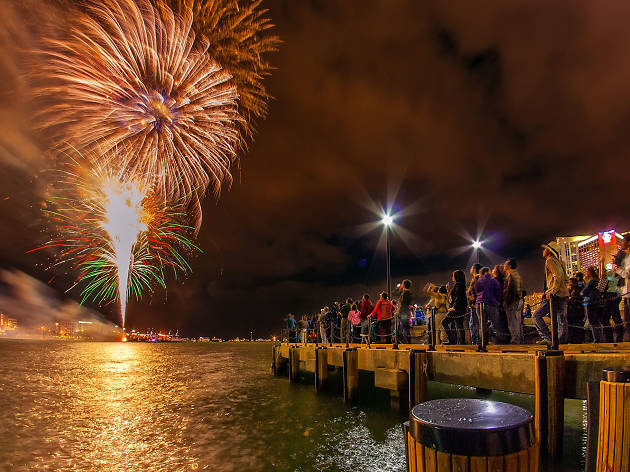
[383, 310]
[366, 309]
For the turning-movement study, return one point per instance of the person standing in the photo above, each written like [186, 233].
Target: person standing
[322, 323]
[498, 273]
[366, 309]
[458, 303]
[344, 333]
[439, 302]
[612, 299]
[556, 296]
[383, 312]
[592, 305]
[303, 329]
[622, 269]
[579, 276]
[404, 311]
[488, 292]
[575, 312]
[354, 322]
[332, 320]
[291, 326]
[472, 301]
[513, 301]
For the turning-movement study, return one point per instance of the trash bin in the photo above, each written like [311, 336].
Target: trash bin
[469, 435]
[613, 444]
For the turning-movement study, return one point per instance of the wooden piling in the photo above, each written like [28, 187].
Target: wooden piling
[549, 415]
[613, 450]
[294, 363]
[321, 368]
[418, 367]
[592, 425]
[350, 374]
[278, 364]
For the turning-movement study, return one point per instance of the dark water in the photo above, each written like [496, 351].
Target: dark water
[177, 407]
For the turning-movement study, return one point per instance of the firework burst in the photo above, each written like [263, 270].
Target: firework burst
[237, 32]
[129, 75]
[119, 236]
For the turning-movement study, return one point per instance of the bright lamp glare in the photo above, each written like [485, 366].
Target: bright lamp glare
[387, 220]
[476, 244]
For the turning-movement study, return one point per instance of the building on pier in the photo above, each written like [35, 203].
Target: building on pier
[578, 253]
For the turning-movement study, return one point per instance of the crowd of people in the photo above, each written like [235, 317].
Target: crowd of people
[583, 307]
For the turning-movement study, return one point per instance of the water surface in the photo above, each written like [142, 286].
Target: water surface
[78, 406]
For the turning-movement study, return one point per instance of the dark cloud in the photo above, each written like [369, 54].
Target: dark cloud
[510, 113]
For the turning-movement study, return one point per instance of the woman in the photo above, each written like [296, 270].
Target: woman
[472, 297]
[383, 313]
[592, 304]
[458, 303]
[438, 302]
[354, 318]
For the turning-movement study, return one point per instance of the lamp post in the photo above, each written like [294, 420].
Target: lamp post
[387, 221]
[477, 246]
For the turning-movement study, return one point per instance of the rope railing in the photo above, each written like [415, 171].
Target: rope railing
[387, 331]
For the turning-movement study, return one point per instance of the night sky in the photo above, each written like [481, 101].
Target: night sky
[507, 118]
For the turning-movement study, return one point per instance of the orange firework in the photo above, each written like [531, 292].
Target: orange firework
[129, 75]
[238, 35]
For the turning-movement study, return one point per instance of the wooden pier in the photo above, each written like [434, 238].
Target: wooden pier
[551, 376]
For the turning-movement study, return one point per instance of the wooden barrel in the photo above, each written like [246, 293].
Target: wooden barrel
[613, 444]
[468, 435]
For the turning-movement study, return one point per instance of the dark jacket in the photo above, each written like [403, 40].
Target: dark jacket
[513, 289]
[458, 299]
[590, 293]
[488, 290]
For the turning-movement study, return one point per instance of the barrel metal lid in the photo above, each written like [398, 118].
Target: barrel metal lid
[616, 374]
[472, 427]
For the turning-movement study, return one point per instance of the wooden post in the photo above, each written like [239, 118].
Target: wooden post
[275, 364]
[554, 325]
[549, 415]
[350, 374]
[433, 334]
[481, 319]
[592, 425]
[613, 449]
[294, 363]
[321, 368]
[418, 366]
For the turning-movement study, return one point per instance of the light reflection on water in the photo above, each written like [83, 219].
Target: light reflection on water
[178, 407]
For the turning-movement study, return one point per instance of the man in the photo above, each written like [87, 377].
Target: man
[383, 313]
[556, 296]
[404, 310]
[622, 268]
[321, 321]
[513, 301]
[343, 312]
[488, 290]
[291, 328]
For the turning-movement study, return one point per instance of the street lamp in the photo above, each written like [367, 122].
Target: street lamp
[477, 245]
[387, 222]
